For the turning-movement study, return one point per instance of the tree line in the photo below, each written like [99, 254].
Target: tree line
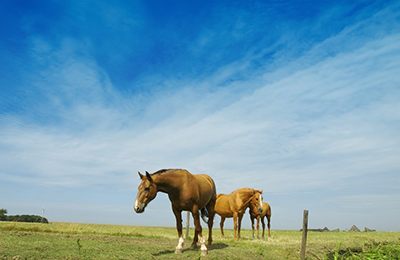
[21, 218]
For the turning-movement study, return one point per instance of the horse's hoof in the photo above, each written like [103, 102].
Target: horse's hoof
[203, 252]
[178, 251]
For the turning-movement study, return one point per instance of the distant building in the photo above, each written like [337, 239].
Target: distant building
[354, 229]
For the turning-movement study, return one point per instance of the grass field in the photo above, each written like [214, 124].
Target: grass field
[89, 241]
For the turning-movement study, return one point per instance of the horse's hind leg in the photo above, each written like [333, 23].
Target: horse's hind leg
[211, 214]
[221, 225]
[198, 232]
[263, 226]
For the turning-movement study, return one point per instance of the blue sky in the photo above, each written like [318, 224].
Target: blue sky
[298, 98]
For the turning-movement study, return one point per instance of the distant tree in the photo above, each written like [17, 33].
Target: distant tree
[21, 218]
[13, 218]
[3, 213]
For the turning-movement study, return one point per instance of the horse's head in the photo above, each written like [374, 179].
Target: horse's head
[256, 202]
[147, 191]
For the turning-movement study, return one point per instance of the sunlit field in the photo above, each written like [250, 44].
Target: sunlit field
[89, 241]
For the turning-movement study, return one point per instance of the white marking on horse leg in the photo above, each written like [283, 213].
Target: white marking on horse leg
[203, 246]
[179, 247]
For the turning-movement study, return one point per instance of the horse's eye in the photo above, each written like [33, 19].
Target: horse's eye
[147, 189]
[256, 198]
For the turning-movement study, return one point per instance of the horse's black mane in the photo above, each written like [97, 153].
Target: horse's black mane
[163, 170]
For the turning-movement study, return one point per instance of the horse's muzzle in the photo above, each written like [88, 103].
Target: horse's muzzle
[139, 207]
[138, 210]
[259, 210]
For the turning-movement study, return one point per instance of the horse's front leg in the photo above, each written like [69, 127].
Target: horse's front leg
[252, 223]
[258, 226]
[181, 241]
[239, 224]
[263, 226]
[235, 222]
[198, 232]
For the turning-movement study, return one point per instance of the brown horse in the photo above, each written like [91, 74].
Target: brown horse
[235, 204]
[187, 192]
[266, 212]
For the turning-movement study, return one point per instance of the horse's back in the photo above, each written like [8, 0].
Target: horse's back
[202, 180]
[206, 186]
[244, 189]
[194, 187]
[223, 206]
[199, 188]
[204, 177]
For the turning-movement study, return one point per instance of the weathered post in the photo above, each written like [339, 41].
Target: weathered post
[187, 224]
[304, 239]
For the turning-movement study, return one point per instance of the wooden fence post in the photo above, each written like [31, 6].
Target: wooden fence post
[187, 224]
[304, 239]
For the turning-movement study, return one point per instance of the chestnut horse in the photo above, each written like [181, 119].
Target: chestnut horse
[187, 192]
[266, 212]
[235, 204]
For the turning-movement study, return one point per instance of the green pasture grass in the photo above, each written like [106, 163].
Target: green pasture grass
[89, 241]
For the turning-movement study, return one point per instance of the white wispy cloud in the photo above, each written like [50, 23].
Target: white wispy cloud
[314, 112]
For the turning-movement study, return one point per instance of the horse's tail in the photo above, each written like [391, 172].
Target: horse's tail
[204, 214]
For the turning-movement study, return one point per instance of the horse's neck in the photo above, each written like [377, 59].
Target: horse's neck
[246, 197]
[165, 183]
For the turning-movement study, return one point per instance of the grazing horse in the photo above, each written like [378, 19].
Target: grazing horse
[266, 212]
[235, 204]
[186, 192]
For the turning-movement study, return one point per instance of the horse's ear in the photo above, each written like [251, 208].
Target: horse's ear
[141, 175]
[261, 191]
[149, 177]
